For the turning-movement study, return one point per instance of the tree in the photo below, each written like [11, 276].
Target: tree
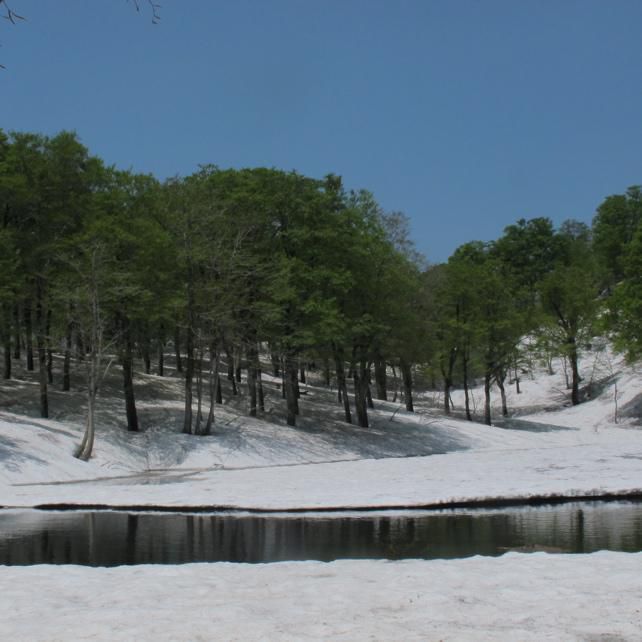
[614, 227]
[624, 316]
[569, 296]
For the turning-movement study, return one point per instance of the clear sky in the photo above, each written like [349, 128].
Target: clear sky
[464, 114]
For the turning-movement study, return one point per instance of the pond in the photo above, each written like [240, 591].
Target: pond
[111, 538]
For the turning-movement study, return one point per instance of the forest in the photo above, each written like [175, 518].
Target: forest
[235, 271]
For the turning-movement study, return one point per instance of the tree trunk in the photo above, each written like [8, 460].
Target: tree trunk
[369, 401]
[215, 388]
[465, 360]
[326, 372]
[29, 336]
[49, 351]
[189, 375]
[66, 366]
[290, 389]
[381, 379]
[6, 338]
[252, 357]
[447, 386]
[360, 378]
[259, 388]
[198, 424]
[274, 357]
[128, 377]
[177, 348]
[161, 358]
[500, 377]
[575, 374]
[43, 378]
[447, 374]
[219, 391]
[237, 365]
[487, 379]
[406, 372]
[341, 383]
[147, 360]
[16, 332]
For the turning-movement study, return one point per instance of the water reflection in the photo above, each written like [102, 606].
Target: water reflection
[114, 538]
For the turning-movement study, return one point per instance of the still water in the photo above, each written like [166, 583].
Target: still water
[111, 538]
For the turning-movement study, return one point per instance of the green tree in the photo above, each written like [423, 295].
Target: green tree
[614, 227]
[569, 296]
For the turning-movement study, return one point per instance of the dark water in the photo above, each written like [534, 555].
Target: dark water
[114, 538]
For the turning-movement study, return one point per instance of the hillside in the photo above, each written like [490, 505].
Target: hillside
[403, 459]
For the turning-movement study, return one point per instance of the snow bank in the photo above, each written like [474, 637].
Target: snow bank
[515, 597]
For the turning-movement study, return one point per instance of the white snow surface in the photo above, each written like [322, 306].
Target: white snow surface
[403, 460]
[515, 597]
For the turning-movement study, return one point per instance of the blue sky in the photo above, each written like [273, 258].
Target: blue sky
[464, 114]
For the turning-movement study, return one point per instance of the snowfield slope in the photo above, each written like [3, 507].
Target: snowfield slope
[403, 459]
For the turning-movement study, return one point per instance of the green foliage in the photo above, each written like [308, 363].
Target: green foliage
[614, 227]
[625, 305]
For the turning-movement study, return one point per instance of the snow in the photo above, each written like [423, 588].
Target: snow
[515, 597]
[403, 460]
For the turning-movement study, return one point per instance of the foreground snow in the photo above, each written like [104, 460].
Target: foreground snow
[515, 597]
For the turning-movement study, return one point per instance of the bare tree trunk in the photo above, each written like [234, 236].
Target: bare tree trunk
[147, 360]
[500, 377]
[29, 336]
[360, 378]
[252, 357]
[290, 389]
[93, 364]
[575, 381]
[465, 360]
[214, 386]
[66, 366]
[128, 376]
[259, 388]
[276, 362]
[487, 379]
[177, 348]
[16, 332]
[406, 372]
[342, 388]
[6, 338]
[189, 375]
[49, 351]
[381, 379]
[198, 428]
[43, 378]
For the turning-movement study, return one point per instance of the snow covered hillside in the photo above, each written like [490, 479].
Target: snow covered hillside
[403, 459]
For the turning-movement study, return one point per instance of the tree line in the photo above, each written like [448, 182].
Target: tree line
[245, 269]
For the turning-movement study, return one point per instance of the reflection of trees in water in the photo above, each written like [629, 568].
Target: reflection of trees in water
[111, 538]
